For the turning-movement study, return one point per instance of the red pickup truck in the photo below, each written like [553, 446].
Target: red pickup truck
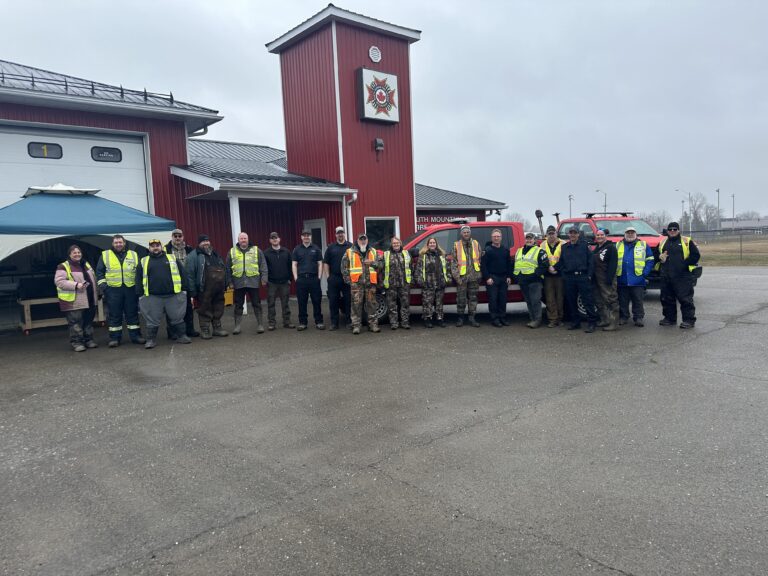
[512, 235]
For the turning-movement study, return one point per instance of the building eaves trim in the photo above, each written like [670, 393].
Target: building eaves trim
[21, 96]
[461, 207]
[333, 13]
[194, 177]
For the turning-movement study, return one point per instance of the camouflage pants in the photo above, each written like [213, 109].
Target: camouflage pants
[432, 303]
[362, 295]
[466, 296]
[399, 294]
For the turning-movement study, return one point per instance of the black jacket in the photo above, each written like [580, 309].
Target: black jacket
[160, 279]
[606, 261]
[496, 262]
[676, 266]
[278, 265]
[576, 258]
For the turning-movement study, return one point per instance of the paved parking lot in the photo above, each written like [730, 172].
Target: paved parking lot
[445, 451]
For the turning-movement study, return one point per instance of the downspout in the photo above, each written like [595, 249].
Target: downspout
[350, 231]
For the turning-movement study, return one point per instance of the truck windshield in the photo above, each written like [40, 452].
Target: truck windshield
[617, 227]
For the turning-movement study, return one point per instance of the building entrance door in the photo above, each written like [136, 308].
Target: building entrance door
[317, 227]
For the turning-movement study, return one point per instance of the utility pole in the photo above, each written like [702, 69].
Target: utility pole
[570, 211]
[719, 224]
[733, 222]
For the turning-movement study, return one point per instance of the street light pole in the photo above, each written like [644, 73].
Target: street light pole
[605, 201]
[719, 224]
[570, 211]
[682, 213]
[733, 221]
[690, 216]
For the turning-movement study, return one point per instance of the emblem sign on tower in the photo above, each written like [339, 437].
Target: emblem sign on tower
[378, 96]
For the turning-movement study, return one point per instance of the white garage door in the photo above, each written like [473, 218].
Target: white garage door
[32, 157]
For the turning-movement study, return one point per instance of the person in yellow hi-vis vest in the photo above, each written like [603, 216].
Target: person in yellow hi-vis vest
[76, 288]
[359, 268]
[397, 282]
[161, 286]
[247, 272]
[677, 257]
[115, 276]
[465, 269]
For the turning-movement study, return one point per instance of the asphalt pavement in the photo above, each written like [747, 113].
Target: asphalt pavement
[451, 451]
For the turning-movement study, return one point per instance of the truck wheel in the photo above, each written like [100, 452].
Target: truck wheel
[581, 307]
[381, 306]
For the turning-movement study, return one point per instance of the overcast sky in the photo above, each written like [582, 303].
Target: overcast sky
[524, 102]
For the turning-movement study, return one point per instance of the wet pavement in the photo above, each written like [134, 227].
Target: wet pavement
[445, 451]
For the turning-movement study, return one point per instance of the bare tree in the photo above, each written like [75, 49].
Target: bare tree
[510, 216]
[748, 215]
[658, 219]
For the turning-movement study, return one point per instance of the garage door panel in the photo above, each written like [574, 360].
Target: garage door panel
[124, 182]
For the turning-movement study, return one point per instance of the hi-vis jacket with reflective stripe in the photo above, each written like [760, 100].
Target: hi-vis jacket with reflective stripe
[117, 274]
[356, 265]
[64, 294]
[461, 255]
[685, 241]
[552, 255]
[639, 254]
[406, 264]
[175, 275]
[244, 262]
[527, 263]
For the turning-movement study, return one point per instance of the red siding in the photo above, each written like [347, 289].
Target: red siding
[167, 146]
[384, 180]
[260, 217]
[309, 107]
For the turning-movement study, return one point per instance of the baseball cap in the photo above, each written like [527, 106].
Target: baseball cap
[155, 241]
[573, 229]
[202, 238]
[274, 235]
[306, 233]
[630, 229]
[530, 235]
[339, 229]
[177, 231]
[551, 229]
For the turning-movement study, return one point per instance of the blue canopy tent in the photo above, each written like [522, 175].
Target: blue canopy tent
[56, 211]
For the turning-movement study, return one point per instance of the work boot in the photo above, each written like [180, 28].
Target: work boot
[138, 340]
[623, 321]
[504, 322]
[405, 326]
[91, 344]
[205, 331]
[219, 331]
[574, 326]
[393, 326]
[610, 327]
[602, 323]
[271, 327]
[686, 325]
[356, 330]
[374, 327]
[260, 328]
[114, 343]
[497, 323]
[472, 322]
[666, 322]
[289, 325]
[590, 328]
[460, 321]
[183, 339]
[441, 322]
[78, 348]
[639, 323]
[150, 342]
[428, 323]
[238, 328]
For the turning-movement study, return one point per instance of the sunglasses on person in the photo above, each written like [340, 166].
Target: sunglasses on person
[673, 229]
[178, 235]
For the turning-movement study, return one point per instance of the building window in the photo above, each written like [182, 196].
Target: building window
[44, 150]
[102, 154]
[381, 230]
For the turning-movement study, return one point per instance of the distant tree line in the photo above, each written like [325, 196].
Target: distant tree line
[699, 215]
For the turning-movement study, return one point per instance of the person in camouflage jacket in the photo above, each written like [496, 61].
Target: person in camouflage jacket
[397, 283]
[360, 269]
[431, 275]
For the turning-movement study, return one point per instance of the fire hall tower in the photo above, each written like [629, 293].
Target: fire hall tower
[347, 112]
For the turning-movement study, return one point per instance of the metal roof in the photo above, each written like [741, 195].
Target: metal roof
[234, 162]
[429, 196]
[333, 13]
[233, 150]
[28, 85]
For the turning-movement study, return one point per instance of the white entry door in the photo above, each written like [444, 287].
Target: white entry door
[317, 227]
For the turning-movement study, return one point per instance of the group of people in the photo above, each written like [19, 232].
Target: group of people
[175, 279]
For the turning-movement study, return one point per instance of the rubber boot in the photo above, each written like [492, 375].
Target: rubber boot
[460, 321]
[611, 326]
[218, 330]
[205, 331]
[238, 328]
[150, 341]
